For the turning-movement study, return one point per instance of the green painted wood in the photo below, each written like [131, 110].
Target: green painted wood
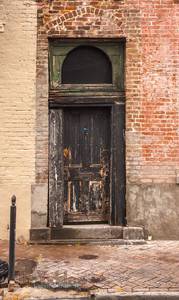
[60, 49]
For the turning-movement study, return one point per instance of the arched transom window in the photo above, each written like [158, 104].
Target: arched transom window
[77, 65]
[86, 65]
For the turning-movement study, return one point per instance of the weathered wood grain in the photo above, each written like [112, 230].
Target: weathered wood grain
[118, 209]
[56, 186]
[86, 164]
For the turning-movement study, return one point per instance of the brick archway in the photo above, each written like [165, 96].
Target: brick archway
[85, 21]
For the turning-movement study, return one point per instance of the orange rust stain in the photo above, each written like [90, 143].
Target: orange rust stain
[66, 152]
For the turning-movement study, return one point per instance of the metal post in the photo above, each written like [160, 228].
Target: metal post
[12, 238]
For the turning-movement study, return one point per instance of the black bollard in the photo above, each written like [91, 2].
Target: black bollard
[12, 238]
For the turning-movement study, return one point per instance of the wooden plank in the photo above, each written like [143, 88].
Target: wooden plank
[56, 186]
[118, 209]
[56, 98]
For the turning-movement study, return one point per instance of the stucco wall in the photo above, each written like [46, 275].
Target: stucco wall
[17, 110]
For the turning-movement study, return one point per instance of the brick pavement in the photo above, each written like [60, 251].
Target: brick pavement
[153, 267]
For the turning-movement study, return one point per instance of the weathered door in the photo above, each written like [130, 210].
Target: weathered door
[86, 165]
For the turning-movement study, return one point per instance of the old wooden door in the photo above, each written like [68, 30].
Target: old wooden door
[86, 165]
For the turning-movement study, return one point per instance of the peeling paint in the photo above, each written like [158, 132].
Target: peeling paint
[86, 166]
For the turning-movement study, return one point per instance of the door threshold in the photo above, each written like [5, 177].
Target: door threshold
[88, 225]
[87, 234]
[90, 242]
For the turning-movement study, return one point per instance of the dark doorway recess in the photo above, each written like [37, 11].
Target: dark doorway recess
[72, 165]
[86, 127]
[87, 65]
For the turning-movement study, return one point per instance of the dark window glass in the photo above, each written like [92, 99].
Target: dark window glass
[86, 65]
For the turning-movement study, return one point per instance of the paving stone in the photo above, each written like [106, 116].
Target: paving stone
[151, 267]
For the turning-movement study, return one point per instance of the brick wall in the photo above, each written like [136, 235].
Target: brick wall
[158, 121]
[17, 113]
[79, 19]
[89, 19]
[152, 143]
[159, 113]
[151, 79]
[151, 30]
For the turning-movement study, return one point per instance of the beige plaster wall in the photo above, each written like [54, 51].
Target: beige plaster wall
[17, 110]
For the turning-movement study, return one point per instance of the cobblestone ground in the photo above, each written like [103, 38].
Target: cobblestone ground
[152, 267]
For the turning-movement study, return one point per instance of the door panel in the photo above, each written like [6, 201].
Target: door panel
[86, 165]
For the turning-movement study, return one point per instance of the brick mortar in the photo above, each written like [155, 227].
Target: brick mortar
[17, 98]
[17, 114]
